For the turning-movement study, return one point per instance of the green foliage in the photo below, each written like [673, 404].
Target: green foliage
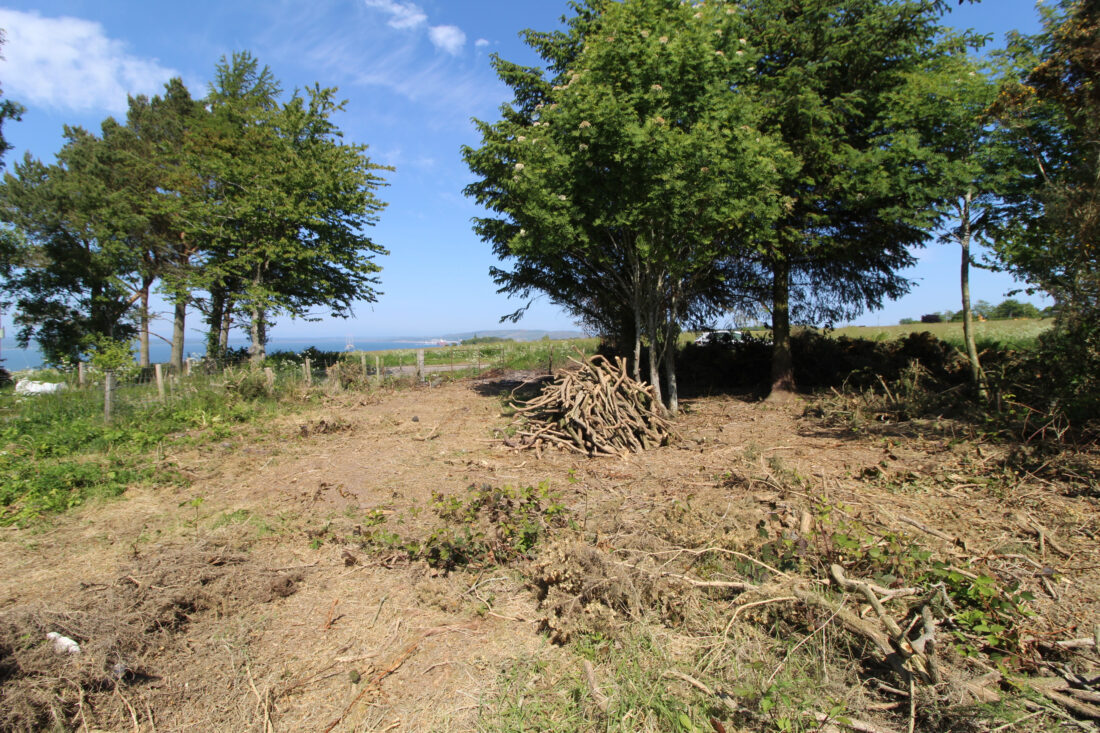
[488, 526]
[984, 615]
[9, 110]
[56, 452]
[614, 180]
[1049, 112]
[258, 202]
[269, 248]
[112, 355]
[486, 340]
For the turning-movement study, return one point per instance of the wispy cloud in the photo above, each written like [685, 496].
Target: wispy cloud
[71, 63]
[402, 14]
[358, 51]
[481, 43]
[406, 15]
[449, 38]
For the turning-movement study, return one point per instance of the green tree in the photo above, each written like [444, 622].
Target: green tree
[286, 204]
[9, 110]
[859, 196]
[1050, 112]
[625, 181]
[946, 105]
[62, 273]
[1012, 308]
[152, 188]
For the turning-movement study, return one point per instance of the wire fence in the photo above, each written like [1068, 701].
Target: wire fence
[130, 390]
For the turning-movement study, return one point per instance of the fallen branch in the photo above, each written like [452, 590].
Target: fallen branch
[597, 410]
[594, 687]
[856, 725]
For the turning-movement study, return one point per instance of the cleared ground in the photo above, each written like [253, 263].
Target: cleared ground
[275, 591]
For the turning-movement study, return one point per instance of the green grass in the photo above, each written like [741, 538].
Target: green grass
[534, 695]
[508, 355]
[1016, 333]
[57, 451]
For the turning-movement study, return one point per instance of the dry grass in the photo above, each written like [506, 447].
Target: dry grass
[261, 596]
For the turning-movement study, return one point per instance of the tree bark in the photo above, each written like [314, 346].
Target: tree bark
[225, 326]
[214, 323]
[976, 379]
[670, 368]
[258, 331]
[637, 367]
[143, 324]
[782, 361]
[179, 317]
[654, 357]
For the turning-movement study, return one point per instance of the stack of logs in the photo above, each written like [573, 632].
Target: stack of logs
[597, 410]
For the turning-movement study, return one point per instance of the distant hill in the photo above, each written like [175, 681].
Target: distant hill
[516, 334]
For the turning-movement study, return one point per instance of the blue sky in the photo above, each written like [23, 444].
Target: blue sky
[414, 74]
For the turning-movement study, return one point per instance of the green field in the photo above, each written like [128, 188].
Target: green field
[1019, 332]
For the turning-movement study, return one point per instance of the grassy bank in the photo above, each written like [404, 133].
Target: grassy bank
[58, 451]
[1015, 333]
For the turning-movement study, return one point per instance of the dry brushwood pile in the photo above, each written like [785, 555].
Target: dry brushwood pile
[597, 410]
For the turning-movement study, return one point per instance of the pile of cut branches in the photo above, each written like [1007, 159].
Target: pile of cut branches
[597, 410]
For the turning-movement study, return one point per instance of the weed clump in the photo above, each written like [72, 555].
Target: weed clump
[488, 526]
[583, 590]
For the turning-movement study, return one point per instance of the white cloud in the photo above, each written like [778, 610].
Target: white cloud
[481, 42]
[70, 63]
[402, 14]
[449, 38]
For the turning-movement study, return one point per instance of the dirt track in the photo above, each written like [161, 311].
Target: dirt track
[246, 603]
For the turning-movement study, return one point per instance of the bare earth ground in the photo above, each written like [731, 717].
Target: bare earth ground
[244, 601]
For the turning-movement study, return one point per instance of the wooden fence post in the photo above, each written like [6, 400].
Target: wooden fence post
[269, 374]
[363, 362]
[420, 364]
[307, 372]
[187, 367]
[81, 375]
[378, 368]
[158, 370]
[108, 395]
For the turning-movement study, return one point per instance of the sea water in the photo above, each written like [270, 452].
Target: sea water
[15, 359]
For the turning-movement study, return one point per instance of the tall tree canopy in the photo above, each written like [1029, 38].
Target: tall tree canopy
[241, 202]
[617, 185]
[63, 271]
[742, 152]
[1050, 114]
[9, 110]
[860, 194]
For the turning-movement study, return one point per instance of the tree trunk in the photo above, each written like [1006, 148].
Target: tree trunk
[225, 326]
[214, 323]
[258, 332]
[637, 340]
[976, 380]
[670, 369]
[143, 324]
[654, 358]
[179, 316]
[782, 361]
